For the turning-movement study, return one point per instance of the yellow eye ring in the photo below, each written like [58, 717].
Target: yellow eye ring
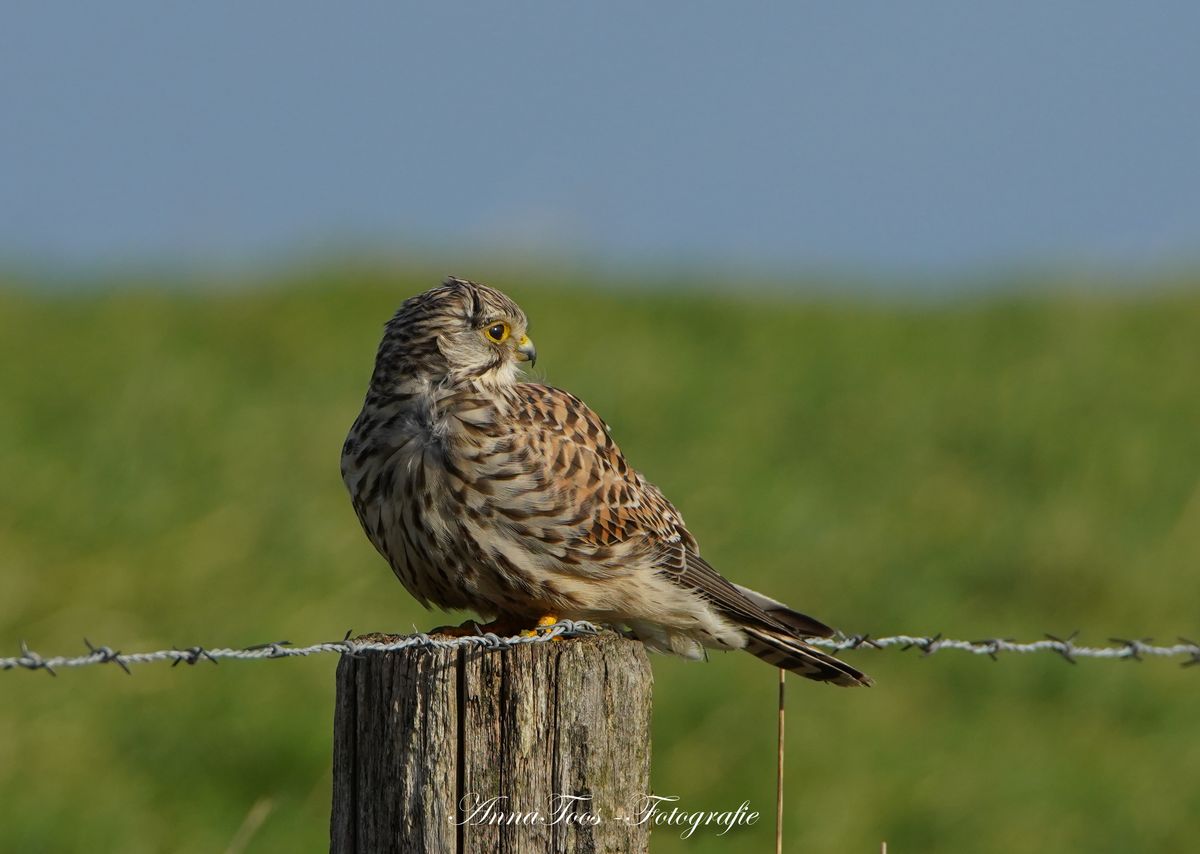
[497, 332]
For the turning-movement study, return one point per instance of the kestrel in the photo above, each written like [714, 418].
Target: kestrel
[511, 499]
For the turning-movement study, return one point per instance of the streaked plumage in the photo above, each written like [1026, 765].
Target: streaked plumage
[512, 500]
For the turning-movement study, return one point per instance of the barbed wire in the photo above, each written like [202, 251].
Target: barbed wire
[1132, 650]
[30, 660]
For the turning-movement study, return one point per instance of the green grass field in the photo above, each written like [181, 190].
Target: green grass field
[998, 468]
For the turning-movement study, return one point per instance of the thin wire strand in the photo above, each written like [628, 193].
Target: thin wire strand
[779, 769]
[993, 647]
[30, 660]
[1134, 650]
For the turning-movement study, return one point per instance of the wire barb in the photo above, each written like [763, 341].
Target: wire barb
[105, 654]
[1123, 649]
[190, 655]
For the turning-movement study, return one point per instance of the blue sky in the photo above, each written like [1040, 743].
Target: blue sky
[897, 137]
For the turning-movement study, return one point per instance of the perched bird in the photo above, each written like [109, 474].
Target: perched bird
[511, 499]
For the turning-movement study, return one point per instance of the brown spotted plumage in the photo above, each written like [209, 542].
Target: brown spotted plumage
[512, 500]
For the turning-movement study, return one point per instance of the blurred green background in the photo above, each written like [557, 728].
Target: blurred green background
[1000, 466]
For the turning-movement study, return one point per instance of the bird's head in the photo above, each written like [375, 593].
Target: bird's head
[457, 331]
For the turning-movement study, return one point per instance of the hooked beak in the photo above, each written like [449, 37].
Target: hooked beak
[525, 351]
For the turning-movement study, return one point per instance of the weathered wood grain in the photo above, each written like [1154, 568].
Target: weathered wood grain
[539, 748]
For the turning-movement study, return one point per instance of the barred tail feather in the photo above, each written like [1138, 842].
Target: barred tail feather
[790, 653]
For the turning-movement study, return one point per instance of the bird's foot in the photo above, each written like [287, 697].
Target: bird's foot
[502, 626]
[543, 625]
[463, 630]
[505, 627]
[454, 631]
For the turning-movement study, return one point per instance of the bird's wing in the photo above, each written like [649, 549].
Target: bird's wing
[567, 477]
[570, 487]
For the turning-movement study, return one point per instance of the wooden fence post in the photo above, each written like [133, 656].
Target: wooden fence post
[543, 747]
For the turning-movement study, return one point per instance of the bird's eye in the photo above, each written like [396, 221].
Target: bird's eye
[498, 332]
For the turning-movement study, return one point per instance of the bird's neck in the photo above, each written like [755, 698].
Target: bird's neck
[430, 397]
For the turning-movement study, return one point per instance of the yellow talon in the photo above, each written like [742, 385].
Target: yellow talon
[543, 624]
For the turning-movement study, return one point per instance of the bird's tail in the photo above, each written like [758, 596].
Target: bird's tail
[791, 653]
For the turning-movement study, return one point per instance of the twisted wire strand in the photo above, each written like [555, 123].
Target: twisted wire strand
[1133, 650]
